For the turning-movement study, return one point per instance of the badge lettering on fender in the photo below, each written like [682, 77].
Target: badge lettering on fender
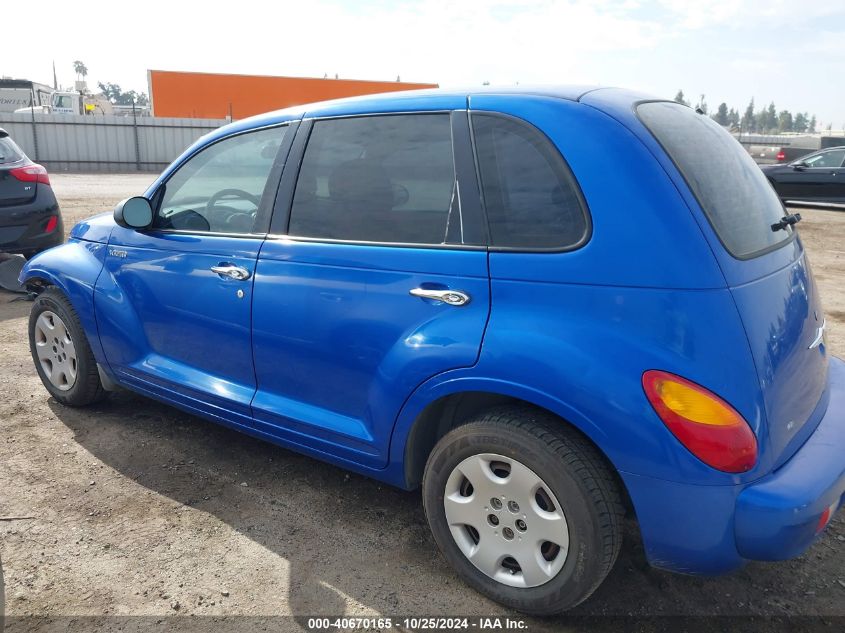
[114, 252]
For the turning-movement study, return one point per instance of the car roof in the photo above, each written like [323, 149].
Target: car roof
[420, 100]
[446, 95]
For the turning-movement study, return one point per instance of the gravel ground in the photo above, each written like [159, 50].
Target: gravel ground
[139, 509]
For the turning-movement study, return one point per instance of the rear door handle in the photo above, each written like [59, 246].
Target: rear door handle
[231, 271]
[450, 297]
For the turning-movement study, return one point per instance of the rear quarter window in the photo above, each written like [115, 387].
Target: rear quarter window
[9, 152]
[531, 197]
[731, 189]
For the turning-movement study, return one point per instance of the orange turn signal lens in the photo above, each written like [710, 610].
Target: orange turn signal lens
[706, 425]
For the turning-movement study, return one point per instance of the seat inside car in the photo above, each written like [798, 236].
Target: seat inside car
[361, 196]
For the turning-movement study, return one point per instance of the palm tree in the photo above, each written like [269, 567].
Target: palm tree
[80, 69]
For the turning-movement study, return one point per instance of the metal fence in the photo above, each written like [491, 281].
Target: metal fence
[63, 142]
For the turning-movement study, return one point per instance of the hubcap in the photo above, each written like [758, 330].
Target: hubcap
[506, 520]
[55, 350]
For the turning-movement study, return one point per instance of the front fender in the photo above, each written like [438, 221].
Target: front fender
[73, 268]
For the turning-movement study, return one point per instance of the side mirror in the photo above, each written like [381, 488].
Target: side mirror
[134, 213]
[800, 165]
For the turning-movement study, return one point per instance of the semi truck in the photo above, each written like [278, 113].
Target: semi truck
[24, 96]
[21, 93]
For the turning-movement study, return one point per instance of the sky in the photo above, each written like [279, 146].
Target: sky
[789, 52]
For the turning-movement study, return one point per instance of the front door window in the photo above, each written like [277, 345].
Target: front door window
[219, 190]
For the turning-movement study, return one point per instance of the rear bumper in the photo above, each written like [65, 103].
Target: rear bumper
[778, 517]
[22, 227]
[715, 529]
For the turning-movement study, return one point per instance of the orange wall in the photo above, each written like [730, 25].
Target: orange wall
[209, 95]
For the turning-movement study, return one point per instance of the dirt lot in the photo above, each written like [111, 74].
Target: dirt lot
[139, 509]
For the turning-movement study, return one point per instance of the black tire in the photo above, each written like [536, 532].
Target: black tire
[87, 389]
[579, 477]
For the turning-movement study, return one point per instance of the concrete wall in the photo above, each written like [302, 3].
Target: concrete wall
[79, 143]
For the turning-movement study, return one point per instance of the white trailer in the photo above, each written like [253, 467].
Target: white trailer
[21, 93]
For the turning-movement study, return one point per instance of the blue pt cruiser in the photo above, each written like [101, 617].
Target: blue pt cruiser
[548, 308]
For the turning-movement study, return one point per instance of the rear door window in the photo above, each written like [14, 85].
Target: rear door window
[531, 197]
[730, 187]
[386, 179]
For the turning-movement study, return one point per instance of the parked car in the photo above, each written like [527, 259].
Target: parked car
[776, 154]
[452, 291]
[818, 177]
[30, 220]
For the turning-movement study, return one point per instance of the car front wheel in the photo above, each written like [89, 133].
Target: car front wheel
[525, 509]
[61, 353]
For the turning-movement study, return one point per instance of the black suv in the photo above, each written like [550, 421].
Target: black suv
[30, 220]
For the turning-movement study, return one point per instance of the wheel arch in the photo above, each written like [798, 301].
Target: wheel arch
[434, 410]
[73, 268]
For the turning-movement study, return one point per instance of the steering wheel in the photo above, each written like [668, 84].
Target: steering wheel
[228, 193]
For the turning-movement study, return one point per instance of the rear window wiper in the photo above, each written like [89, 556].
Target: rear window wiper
[785, 221]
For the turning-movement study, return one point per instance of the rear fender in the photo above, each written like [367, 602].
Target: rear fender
[73, 268]
[466, 380]
[580, 352]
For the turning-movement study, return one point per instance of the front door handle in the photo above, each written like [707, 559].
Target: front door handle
[450, 297]
[231, 271]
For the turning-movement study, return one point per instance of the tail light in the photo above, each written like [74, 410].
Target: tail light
[52, 223]
[781, 156]
[706, 425]
[31, 173]
[828, 513]
[823, 520]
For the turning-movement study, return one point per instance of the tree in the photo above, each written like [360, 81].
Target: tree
[140, 98]
[749, 124]
[110, 91]
[679, 98]
[721, 116]
[799, 124]
[80, 69]
[785, 122]
[114, 94]
[771, 117]
[761, 121]
[733, 118]
[767, 119]
[811, 128]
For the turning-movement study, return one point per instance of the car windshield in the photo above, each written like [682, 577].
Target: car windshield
[733, 192]
[9, 152]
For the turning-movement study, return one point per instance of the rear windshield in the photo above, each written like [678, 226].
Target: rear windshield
[9, 152]
[729, 186]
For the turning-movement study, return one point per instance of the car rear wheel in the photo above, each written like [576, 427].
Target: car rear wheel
[61, 352]
[525, 508]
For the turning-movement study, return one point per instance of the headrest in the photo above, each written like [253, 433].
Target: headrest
[361, 181]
